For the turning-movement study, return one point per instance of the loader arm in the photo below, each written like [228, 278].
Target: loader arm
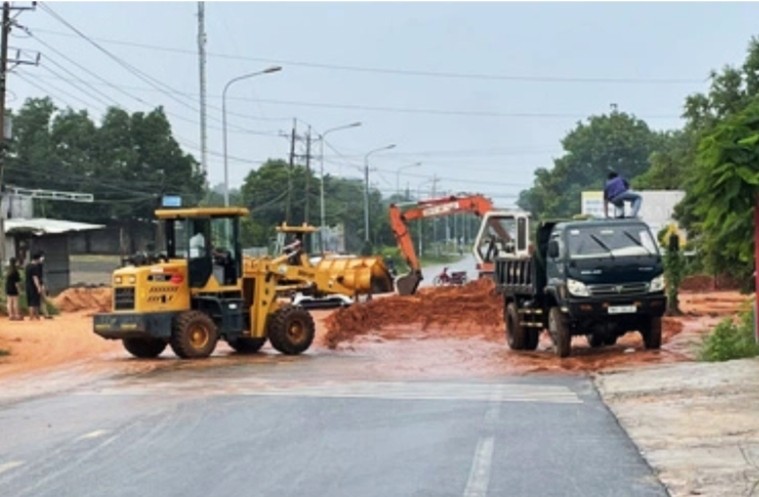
[479, 205]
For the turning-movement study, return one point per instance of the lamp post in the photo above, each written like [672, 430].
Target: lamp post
[366, 187]
[398, 175]
[322, 215]
[224, 121]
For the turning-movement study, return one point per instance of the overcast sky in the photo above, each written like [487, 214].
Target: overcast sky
[480, 93]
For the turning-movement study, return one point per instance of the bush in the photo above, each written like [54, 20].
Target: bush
[731, 339]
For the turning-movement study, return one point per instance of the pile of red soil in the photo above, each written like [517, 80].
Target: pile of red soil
[454, 312]
[84, 299]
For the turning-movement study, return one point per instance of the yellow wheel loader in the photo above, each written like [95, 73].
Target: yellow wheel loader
[197, 293]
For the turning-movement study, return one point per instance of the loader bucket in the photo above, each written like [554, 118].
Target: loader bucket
[363, 274]
[406, 284]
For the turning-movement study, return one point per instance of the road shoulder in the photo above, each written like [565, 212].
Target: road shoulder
[695, 423]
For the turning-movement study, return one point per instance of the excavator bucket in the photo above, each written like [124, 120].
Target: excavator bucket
[406, 284]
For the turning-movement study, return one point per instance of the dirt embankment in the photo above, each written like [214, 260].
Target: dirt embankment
[472, 310]
[84, 299]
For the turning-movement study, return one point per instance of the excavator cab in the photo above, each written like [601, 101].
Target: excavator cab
[501, 234]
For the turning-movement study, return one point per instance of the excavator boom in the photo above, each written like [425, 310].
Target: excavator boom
[479, 205]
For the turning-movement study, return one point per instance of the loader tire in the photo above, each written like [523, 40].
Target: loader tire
[559, 329]
[291, 330]
[652, 334]
[144, 348]
[193, 335]
[246, 345]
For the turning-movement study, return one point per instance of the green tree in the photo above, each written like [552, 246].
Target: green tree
[617, 141]
[723, 193]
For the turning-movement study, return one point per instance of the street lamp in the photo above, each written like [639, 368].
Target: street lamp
[366, 188]
[398, 175]
[322, 216]
[224, 121]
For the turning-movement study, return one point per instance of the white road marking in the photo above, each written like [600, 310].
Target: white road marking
[93, 434]
[484, 392]
[479, 476]
[10, 465]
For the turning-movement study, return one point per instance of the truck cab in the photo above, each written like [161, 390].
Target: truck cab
[598, 278]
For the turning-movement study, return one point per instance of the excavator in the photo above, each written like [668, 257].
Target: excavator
[495, 237]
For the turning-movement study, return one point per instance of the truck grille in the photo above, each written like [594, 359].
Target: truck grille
[123, 299]
[623, 289]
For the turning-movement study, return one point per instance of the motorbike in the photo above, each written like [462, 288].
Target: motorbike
[446, 279]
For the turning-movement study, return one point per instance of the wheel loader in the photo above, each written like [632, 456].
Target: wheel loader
[202, 289]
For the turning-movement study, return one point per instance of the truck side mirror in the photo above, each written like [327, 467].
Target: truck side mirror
[553, 249]
[521, 235]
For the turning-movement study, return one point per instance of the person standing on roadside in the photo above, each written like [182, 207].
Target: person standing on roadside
[36, 295]
[12, 290]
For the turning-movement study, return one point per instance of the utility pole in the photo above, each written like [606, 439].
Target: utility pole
[5, 29]
[308, 176]
[202, 66]
[434, 219]
[288, 210]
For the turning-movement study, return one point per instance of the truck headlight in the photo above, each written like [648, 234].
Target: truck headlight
[577, 288]
[657, 284]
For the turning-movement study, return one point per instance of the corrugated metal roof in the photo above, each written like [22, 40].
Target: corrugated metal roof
[43, 226]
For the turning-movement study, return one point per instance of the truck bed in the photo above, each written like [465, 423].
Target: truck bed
[516, 275]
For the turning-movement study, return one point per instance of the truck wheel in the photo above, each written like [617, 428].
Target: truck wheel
[193, 335]
[246, 345]
[595, 341]
[291, 330]
[144, 348]
[652, 334]
[557, 326]
[515, 335]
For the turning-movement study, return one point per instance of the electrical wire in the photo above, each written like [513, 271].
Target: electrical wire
[407, 72]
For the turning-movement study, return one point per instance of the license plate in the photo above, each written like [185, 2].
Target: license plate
[622, 309]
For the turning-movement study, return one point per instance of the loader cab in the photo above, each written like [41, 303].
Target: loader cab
[209, 240]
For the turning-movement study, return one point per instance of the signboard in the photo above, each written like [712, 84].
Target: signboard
[656, 209]
[171, 201]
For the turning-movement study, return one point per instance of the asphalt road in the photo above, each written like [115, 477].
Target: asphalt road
[300, 427]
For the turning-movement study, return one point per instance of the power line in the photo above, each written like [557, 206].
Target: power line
[407, 72]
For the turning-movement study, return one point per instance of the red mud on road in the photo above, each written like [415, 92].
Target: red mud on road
[460, 329]
[454, 332]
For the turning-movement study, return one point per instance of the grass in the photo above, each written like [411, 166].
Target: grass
[429, 260]
[731, 339]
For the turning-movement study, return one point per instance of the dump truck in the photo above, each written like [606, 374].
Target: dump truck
[600, 278]
[201, 289]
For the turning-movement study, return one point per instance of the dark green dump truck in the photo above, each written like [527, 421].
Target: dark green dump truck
[598, 278]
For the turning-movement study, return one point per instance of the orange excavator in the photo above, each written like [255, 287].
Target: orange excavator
[495, 236]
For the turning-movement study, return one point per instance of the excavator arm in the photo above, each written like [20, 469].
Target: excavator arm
[479, 205]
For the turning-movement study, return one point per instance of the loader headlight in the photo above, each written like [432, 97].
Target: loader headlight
[657, 284]
[577, 288]
[117, 280]
[131, 280]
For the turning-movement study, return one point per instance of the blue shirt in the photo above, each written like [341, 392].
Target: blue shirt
[615, 186]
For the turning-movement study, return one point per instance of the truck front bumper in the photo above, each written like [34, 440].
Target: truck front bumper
[653, 304]
[117, 326]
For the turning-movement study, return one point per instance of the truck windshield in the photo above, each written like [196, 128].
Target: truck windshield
[610, 241]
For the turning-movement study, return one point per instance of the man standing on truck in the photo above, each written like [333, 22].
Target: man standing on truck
[617, 191]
